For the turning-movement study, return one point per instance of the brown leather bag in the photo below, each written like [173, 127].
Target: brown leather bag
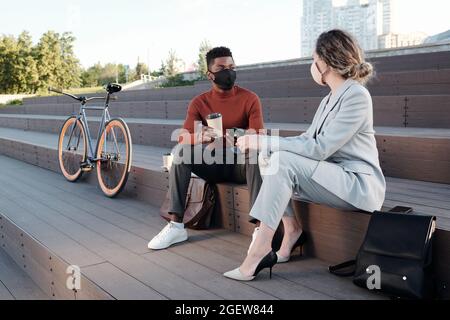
[200, 203]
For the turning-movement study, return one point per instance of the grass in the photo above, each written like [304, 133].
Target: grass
[76, 91]
[86, 90]
[17, 102]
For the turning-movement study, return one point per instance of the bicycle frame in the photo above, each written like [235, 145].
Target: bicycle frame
[83, 118]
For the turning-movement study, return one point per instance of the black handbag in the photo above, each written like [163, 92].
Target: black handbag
[395, 257]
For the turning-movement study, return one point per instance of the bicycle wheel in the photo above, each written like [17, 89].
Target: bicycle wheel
[114, 153]
[72, 149]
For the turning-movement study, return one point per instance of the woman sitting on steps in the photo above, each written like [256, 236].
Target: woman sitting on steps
[335, 162]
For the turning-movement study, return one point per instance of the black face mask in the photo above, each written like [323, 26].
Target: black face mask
[225, 79]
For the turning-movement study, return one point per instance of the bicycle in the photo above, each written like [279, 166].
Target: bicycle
[113, 148]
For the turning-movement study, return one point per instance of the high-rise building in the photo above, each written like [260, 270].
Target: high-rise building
[367, 20]
[395, 40]
[389, 37]
[361, 20]
[317, 17]
[388, 12]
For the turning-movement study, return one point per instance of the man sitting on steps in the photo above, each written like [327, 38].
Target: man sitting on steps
[240, 108]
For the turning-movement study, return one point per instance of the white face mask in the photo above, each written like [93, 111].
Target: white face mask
[318, 77]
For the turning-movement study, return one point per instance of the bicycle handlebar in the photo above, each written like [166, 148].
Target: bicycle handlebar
[66, 94]
[94, 98]
[81, 99]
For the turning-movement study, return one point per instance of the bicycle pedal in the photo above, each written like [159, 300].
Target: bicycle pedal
[86, 167]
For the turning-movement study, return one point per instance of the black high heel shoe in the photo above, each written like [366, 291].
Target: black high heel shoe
[299, 243]
[267, 262]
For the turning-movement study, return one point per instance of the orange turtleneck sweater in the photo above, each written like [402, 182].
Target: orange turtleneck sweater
[240, 108]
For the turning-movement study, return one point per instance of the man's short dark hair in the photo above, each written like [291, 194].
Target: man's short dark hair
[217, 52]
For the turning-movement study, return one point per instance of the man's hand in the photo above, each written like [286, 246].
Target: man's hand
[208, 134]
[249, 142]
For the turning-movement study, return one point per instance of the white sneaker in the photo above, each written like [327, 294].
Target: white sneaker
[168, 236]
[255, 232]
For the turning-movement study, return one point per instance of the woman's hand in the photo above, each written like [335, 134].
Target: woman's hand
[249, 142]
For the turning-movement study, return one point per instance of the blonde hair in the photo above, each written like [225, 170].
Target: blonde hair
[342, 53]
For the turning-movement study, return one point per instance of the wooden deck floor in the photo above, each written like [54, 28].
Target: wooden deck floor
[108, 239]
[15, 284]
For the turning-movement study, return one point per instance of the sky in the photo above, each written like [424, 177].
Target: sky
[125, 31]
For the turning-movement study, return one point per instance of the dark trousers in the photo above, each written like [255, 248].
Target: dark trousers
[180, 175]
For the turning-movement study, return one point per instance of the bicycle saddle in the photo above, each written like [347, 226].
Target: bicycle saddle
[113, 88]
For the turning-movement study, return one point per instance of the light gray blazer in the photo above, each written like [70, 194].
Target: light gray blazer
[346, 138]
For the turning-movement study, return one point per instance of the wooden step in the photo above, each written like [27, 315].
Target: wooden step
[15, 284]
[340, 230]
[394, 111]
[336, 235]
[424, 82]
[410, 153]
[411, 62]
[149, 184]
[117, 230]
[30, 251]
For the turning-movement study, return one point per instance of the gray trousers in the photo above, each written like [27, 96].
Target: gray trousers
[283, 174]
[244, 171]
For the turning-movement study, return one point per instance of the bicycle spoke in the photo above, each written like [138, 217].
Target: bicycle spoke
[114, 153]
[71, 149]
[115, 141]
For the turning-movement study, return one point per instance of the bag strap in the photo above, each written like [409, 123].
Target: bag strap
[401, 209]
[337, 269]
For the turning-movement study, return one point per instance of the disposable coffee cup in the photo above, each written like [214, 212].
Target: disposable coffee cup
[214, 121]
[167, 161]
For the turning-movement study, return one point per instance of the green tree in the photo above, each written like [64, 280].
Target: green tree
[160, 72]
[56, 62]
[109, 74]
[18, 71]
[121, 73]
[177, 81]
[48, 56]
[91, 76]
[8, 57]
[205, 46]
[101, 75]
[172, 65]
[141, 68]
[26, 66]
[70, 64]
